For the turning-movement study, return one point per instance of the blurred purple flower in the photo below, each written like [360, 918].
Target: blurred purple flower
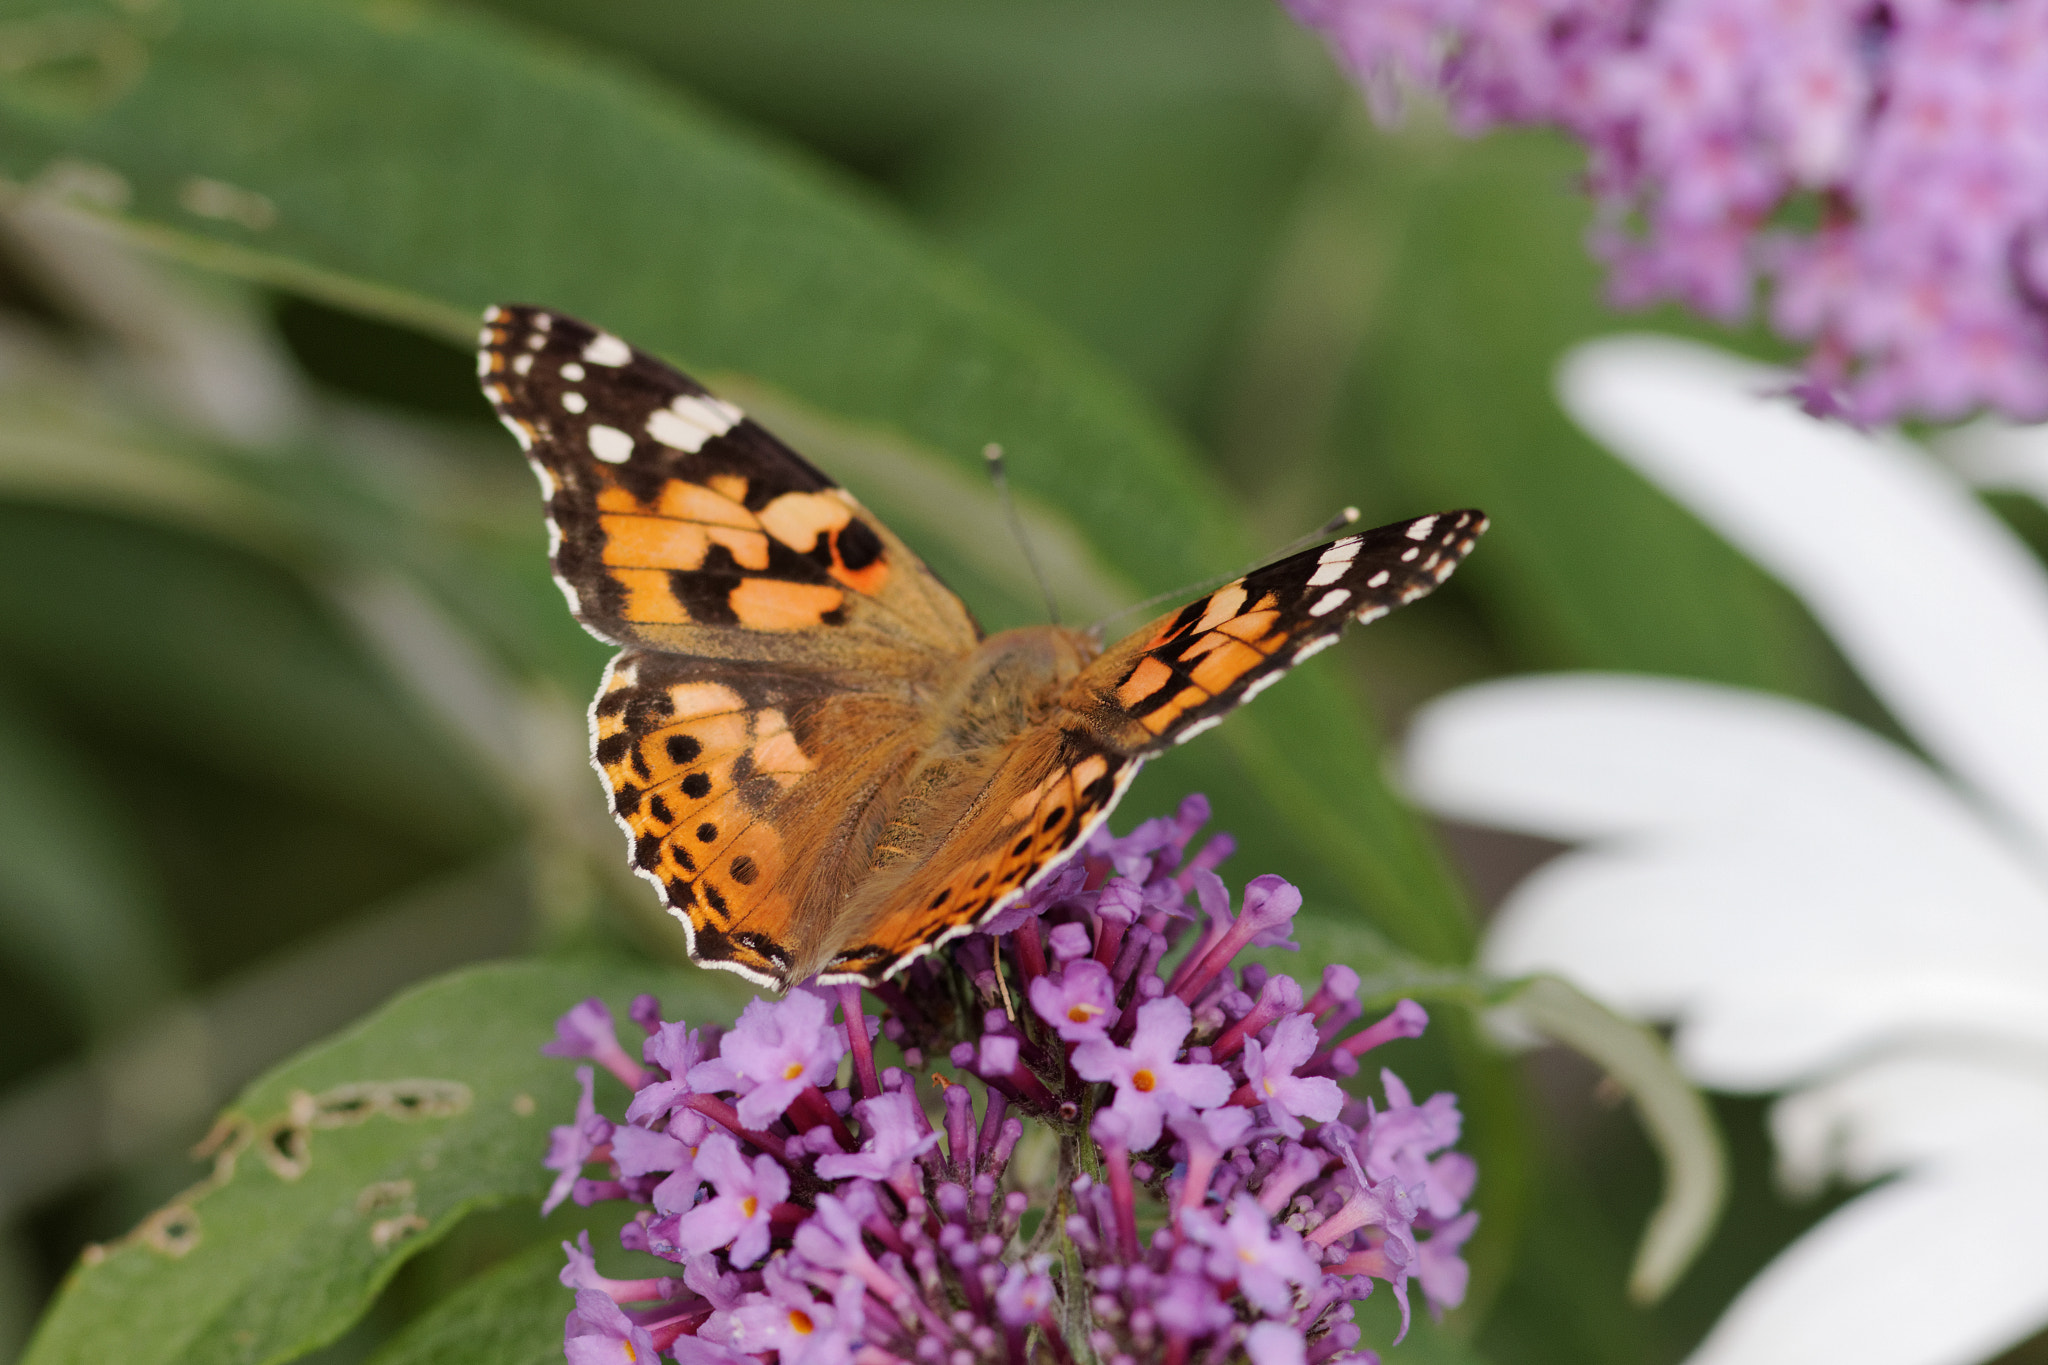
[1881, 167]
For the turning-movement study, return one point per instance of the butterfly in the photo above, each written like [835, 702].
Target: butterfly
[817, 756]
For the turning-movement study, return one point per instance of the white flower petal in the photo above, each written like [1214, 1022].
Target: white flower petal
[1591, 755]
[1781, 959]
[1994, 454]
[1790, 887]
[1941, 1267]
[1922, 1108]
[1943, 611]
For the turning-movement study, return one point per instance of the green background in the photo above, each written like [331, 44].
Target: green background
[290, 714]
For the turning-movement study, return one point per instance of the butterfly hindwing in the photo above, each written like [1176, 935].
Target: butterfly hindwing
[1182, 674]
[677, 523]
[740, 788]
[1055, 787]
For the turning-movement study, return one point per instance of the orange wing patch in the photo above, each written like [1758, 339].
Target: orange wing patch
[1026, 836]
[694, 767]
[706, 529]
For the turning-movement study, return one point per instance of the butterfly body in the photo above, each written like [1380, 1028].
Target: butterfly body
[816, 755]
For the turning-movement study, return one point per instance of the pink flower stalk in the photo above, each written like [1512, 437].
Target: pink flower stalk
[1878, 167]
[587, 1031]
[816, 1223]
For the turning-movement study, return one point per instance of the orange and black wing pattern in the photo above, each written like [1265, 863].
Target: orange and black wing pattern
[1182, 674]
[737, 784]
[1055, 786]
[677, 523]
[1159, 687]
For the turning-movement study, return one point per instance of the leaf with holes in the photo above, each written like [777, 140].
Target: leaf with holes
[333, 1170]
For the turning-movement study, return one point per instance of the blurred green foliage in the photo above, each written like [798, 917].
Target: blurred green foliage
[291, 716]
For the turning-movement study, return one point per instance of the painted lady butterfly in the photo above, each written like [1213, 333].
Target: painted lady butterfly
[817, 756]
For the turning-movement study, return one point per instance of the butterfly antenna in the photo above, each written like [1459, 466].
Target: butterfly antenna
[999, 475]
[1301, 542]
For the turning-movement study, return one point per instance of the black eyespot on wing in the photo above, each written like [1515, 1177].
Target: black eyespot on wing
[857, 544]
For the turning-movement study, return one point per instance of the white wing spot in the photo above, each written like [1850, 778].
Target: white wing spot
[544, 320]
[1410, 555]
[492, 313]
[610, 444]
[1330, 601]
[606, 349]
[1420, 529]
[1378, 580]
[1202, 726]
[547, 481]
[483, 364]
[574, 401]
[1327, 572]
[522, 364]
[1313, 648]
[691, 420]
[1262, 682]
[1371, 614]
[573, 372]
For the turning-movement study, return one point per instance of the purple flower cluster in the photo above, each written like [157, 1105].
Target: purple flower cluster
[1883, 164]
[1209, 1191]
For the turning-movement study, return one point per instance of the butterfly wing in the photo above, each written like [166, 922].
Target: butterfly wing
[775, 631]
[1172, 680]
[1161, 686]
[741, 788]
[677, 523]
[1052, 787]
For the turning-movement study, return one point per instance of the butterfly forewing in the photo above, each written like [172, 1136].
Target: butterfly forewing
[1179, 676]
[678, 523]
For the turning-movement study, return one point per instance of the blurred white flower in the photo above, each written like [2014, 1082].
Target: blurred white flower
[1818, 910]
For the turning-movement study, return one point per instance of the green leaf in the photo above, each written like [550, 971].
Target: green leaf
[245, 668]
[511, 1315]
[334, 1169]
[882, 81]
[1485, 284]
[74, 904]
[1674, 1114]
[418, 162]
